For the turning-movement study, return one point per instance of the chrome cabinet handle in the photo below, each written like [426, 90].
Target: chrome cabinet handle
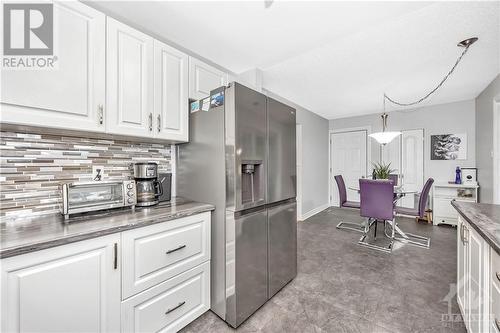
[100, 109]
[175, 307]
[497, 323]
[498, 275]
[115, 261]
[159, 123]
[176, 249]
[466, 236]
[150, 122]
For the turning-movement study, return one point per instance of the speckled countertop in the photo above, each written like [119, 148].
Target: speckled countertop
[24, 235]
[484, 218]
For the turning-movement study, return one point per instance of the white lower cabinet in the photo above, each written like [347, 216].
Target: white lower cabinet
[473, 278]
[69, 288]
[170, 305]
[158, 252]
[495, 292]
[149, 279]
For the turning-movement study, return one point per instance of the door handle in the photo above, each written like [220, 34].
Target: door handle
[176, 249]
[100, 111]
[175, 307]
[115, 260]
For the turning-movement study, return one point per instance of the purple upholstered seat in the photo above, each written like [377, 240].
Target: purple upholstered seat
[343, 194]
[420, 210]
[377, 199]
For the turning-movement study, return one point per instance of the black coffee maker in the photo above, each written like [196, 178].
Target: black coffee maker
[149, 189]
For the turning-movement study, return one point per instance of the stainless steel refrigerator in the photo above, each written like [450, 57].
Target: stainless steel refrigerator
[241, 157]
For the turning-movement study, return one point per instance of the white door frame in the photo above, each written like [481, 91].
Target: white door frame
[299, 170]
[496, 150]
[368, 130]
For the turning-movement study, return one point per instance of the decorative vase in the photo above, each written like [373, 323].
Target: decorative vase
[458, 176]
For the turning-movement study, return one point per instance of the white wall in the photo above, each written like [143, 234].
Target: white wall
[314, 158]
[484, 139]
[458, 117]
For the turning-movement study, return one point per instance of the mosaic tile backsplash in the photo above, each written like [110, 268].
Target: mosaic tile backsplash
[32, 166]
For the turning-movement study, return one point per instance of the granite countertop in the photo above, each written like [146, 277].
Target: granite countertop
[28, 234]
[484, 218]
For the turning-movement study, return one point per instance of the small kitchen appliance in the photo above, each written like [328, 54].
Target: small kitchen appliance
[469, 176]
[149, 189]
[92, 196]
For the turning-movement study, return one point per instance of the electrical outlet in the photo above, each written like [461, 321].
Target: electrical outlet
[97, 172]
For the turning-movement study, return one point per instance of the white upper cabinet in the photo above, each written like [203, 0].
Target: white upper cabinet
[72, 95]
[170, 93]
[129, 72]
[69, 288]
[203, 78]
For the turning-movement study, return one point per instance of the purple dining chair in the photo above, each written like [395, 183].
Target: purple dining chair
[420, 210]
[407, 237]
[344, 203]
[377, 204]
[394, 178]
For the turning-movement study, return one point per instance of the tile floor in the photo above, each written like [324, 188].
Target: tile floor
[343, 287]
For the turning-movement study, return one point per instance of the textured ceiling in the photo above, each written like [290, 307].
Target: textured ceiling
[335, 58]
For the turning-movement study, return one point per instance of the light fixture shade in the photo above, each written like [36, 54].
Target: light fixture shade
[384, 137]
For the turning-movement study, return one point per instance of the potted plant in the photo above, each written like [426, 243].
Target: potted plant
[381, 170]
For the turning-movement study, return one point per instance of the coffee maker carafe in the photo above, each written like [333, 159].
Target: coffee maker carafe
[149, 189]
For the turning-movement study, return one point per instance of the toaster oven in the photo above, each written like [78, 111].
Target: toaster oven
[93, 196]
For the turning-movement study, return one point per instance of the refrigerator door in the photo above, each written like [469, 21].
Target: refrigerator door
[282, 150]
[250, 147]
[249, 291]
[282, 226]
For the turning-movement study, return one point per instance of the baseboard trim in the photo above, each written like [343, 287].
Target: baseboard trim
[314, 211]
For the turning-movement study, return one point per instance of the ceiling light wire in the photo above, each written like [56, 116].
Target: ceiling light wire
[466, 44]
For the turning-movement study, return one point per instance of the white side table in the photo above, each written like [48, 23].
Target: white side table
[443, 194]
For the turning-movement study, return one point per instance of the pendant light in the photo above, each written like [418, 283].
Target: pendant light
[385, 137]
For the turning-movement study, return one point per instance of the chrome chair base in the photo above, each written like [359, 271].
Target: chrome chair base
[350, 226]
[362, 241]
[412, 239]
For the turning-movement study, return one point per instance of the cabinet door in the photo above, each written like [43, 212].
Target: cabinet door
[203, 78]
[71, 95]
[461, 269]
[129, 81]
[475, 271]
[70, 288]
[170, 93]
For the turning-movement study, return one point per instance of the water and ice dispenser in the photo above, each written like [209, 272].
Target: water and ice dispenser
[251, 181]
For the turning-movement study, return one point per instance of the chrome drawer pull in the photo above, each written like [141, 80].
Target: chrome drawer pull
[176, 249]
[498, 275]
[497, 322]
[175, 308]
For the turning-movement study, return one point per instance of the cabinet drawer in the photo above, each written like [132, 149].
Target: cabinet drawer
[156, 253]
[170, 305]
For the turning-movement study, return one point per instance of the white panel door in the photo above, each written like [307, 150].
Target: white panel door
[203, 78]
[412, 164]
[348, 158]
[170, 93]
[70, 288]
[130, 81]
[391, 153]
[71, 95]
